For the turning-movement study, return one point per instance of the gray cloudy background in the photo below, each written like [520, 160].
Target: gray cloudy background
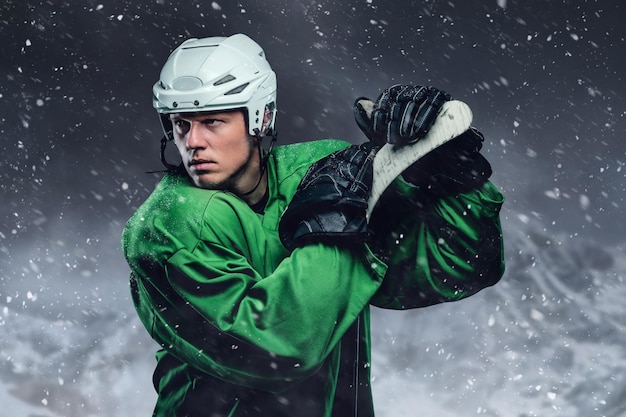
[545, 80]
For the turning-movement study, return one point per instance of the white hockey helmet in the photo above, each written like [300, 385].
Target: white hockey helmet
[219, 73]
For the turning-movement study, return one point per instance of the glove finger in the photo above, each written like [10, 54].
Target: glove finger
[379, 122]
[393, 125]
[414, 98]
[407, 122]
[380, 113]
[388, 97]
[412, 93]
[427, 112]
[383, 100]
[364, 160]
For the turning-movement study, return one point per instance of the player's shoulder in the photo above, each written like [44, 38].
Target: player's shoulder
[294, 156]
[177, 196]
[306, 150]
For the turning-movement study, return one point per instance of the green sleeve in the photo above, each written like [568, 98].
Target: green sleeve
[223, 307]
[437, 250]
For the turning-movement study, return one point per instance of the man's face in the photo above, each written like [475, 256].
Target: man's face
[216, 149]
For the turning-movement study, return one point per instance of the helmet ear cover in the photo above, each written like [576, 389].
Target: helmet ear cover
[267, 124]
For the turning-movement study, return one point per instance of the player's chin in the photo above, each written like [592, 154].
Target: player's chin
[208, 186]
[207, 181]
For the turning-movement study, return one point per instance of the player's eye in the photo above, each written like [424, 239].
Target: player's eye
[181, 125]
[210, 121]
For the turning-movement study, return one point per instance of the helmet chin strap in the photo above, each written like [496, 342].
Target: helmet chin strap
[262, 158]
[170, 167]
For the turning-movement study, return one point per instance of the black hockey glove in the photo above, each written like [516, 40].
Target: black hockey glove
[401, 114]
[329, 205]
[453, 168]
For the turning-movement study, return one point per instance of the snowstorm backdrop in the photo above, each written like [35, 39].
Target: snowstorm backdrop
[545, 80]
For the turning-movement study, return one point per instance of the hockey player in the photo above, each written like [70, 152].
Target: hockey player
[254, 270]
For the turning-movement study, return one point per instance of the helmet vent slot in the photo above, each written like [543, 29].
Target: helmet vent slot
[226, 79]
[237, 90]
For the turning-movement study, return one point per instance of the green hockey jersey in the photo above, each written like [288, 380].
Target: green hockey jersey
[249, 329]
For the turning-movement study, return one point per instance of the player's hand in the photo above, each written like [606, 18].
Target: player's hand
[330, 203]
[402, 113]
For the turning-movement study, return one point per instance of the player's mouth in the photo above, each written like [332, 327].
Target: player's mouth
[202, 164]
